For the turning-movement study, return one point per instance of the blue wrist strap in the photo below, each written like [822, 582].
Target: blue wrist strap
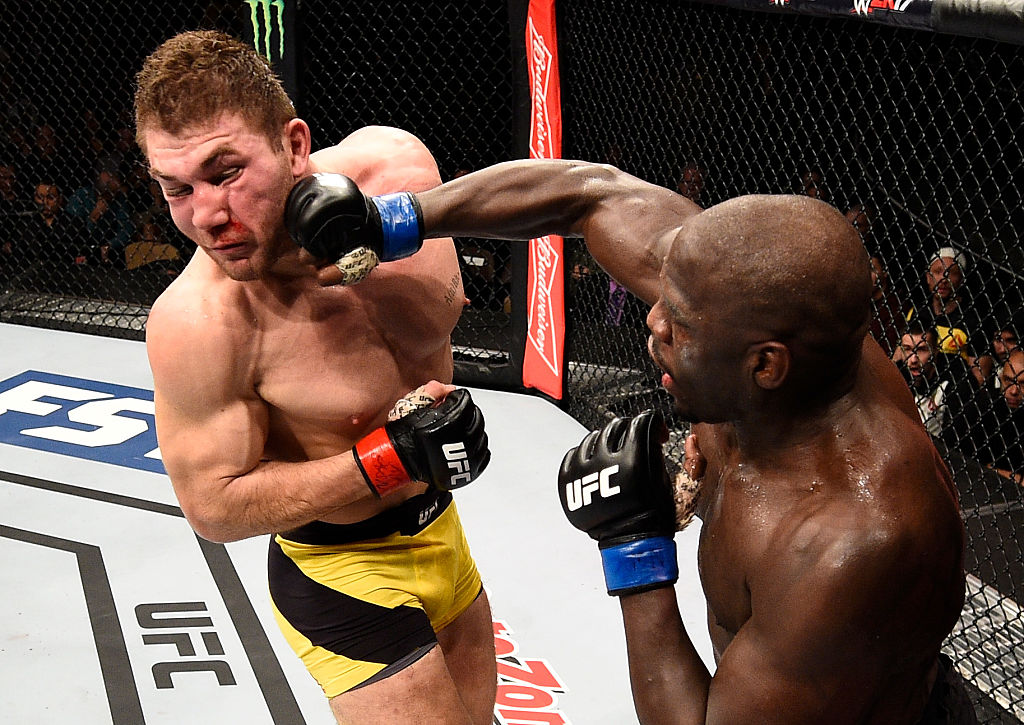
[400, 225]
[639, 565]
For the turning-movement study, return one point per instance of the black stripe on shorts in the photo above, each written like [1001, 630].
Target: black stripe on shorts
[341, 623]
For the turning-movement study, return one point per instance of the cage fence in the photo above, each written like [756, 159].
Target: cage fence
[912, 134]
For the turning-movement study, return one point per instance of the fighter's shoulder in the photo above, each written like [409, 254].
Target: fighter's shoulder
[657, 209]
[380, 159]
[194, 313]
[866, 526]
[899, 498]
[385, 137]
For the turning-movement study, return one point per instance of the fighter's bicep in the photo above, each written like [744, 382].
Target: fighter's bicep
[208, 428]
[209, 441]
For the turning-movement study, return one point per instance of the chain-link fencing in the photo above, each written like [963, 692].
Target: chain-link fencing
[87, 240]
[915, 136]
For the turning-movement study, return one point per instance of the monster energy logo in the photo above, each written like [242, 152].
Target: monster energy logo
[267, 9]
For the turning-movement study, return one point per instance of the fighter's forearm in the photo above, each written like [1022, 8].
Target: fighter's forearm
[670, 681]
[623, 219]
[628, 224]
[517, 200]
[275, 496]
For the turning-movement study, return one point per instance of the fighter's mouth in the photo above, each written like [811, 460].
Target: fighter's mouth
[230, 236]
[223, 246]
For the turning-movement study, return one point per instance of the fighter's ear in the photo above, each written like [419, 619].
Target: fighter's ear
[769, 362]
[298, 143]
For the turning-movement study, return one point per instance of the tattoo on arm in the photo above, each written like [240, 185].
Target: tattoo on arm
[451, 289]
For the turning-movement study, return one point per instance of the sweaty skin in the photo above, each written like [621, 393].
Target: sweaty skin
[264, 379]
[831, 551]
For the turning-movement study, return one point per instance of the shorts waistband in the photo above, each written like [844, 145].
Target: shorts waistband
[407, 518]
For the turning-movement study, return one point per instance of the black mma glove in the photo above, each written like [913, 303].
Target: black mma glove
[444, 446]
[614, 486]
[328, 216]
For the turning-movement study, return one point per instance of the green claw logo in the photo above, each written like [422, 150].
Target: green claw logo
[267, 14]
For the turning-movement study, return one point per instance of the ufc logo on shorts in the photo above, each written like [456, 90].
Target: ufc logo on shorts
[458, 461]
[579, 493]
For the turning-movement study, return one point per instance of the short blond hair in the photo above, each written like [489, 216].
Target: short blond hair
[196, 76]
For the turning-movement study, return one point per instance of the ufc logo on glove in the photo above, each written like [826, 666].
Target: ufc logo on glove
[579, 492]
[458, 461]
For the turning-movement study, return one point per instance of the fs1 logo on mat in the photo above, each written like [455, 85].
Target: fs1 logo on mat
[80, 418]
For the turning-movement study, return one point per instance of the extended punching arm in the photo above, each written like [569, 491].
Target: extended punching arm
[627, 223]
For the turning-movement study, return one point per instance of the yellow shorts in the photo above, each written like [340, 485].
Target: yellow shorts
[359, 611]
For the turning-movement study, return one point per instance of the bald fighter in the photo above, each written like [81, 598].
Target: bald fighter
[831, 550]
[273, 393]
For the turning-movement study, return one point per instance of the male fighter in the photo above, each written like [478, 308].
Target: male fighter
[831, 551]
[273, 393]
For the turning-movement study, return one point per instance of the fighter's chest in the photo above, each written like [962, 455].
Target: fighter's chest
[332, 369]
[736, 531]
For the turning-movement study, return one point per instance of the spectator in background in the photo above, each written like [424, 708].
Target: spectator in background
[90, 132]
[49, 159]
[1003, 428]
[14, 145]
[15, 208]
[887, 320]
[942, 388]
[122, 155]
[13, 198]
[1004, 341]
[152, 251]
[812, 184]
[587, 283]
[862, 217]
[691, 181]
[956, 322]
[53, 237]
[148, 204]
[485, 268]
[104, 208]
[617, 296]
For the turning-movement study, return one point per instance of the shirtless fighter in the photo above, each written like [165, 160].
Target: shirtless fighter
[272, 393]
[831, 550]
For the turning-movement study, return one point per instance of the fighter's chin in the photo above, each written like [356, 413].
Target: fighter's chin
[679, 405]
[240, 270]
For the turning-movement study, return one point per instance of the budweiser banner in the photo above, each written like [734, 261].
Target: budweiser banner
[544, 355]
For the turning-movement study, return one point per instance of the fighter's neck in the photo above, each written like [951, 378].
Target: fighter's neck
[775, 432]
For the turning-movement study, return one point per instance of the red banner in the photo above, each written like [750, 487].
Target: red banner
[545, 341]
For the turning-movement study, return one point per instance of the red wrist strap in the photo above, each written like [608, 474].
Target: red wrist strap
[379, 462]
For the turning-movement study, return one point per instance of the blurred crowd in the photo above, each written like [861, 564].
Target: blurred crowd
[79, 196]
